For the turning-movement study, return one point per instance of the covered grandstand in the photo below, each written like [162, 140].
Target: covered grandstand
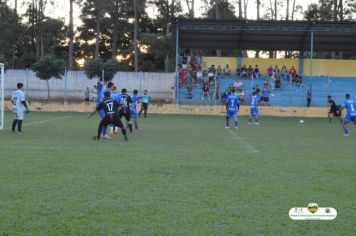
[299, 36]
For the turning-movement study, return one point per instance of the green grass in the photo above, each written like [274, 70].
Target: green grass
[179, 175]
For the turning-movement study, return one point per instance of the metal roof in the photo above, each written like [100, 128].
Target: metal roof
[266, 35]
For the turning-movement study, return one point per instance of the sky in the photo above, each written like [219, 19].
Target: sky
[61, 8]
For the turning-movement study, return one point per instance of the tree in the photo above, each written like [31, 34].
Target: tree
[135, 7]
[224, 9]
[47, 68]
[96, 68]
[71, 36]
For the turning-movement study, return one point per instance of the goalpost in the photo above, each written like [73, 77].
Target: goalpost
[2, 95]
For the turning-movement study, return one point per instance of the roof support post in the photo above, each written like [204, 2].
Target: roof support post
[311, 57]
[177, 61]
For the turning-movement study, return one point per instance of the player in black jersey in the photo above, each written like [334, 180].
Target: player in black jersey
[125, 105]
[334, 109]
[110, 108]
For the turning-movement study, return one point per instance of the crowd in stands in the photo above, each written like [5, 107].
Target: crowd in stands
[194, 74]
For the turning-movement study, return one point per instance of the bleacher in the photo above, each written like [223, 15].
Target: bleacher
[289, 95]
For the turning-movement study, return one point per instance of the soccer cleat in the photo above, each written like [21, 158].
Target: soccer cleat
[249, 123]
[346, 135]
[227, 127]
[96, 138]
[256, 123]
[107, 137]
[236, 127]
[126, 138]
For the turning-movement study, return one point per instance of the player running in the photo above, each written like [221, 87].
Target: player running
[350, 107]
[125, 105]
[334, 109]
[133, 108]
[110, 108]
[18, 100]
[254, 112]
[144, 103]
[232, 103]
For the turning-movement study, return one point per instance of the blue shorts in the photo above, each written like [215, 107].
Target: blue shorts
[231, 113]
[254, 112]
[134, 115]
[101, 113]
[347, 119]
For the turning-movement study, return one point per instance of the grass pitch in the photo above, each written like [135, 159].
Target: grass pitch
[179, 175]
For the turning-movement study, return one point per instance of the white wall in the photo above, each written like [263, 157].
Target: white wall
[159, 85]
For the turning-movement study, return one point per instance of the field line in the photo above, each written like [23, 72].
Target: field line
[247, 145]
[40, 122]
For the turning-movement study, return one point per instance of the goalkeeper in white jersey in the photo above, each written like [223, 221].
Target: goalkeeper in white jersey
[18, 102]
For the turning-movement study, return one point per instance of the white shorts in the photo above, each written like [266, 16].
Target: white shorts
[18, 115]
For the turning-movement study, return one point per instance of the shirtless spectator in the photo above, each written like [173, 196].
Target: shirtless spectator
[227, 70]
[256, 72]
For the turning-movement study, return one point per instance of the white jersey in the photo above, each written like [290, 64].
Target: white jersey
[17, 98]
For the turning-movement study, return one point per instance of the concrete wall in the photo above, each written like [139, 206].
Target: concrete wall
[184, 109]
[321, 67]
[159, 84]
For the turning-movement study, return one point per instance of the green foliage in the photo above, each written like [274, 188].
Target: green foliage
[225, 9]
[49, 67]
[95, 68]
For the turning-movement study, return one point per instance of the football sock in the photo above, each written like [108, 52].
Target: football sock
[346, 131]
[100, 129]
[130, 127]
[103, 130]
[236, 123]
[227, 121]
[123, 130]
[136, 126]
[19, 125]
[14, 123]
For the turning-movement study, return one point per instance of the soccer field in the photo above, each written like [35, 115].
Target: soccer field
[179, 175]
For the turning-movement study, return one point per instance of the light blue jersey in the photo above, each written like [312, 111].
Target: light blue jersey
[133, 108]
[116, 96]
[145, 98]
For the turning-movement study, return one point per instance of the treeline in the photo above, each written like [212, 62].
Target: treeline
[122, 31]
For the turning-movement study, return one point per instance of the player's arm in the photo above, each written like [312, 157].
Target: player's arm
[23, 101]
[98, 108]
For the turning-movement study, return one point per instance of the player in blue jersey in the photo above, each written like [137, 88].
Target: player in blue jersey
[133, 108]
[144, 103]
[232, 103]
[350, 107]
[254, 112]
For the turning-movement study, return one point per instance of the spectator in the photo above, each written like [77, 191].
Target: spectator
[278, 84]
[211, 75]
[199, 75]
[256, 72]
[227, 70]
[217, 93]
[205, 92]
[276, 72]
[181, 75]
[244, 72]
[270, 71]
[241, 95]
[218, 70]
[250, 72]
[309, 97]
[189, 91]
[213, 69]
[284, 73]
[94, 93]
[265, 93]
[238, 84]
[292, 72]
[224, 96]
[87, 95]
[238, 72]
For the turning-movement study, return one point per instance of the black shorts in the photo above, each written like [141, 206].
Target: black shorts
[124, 112]
[335, 113]
[265, 99]
[112, 120]
[144, 106]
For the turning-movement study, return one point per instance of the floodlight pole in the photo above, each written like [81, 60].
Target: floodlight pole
[177, 59]
[311, 58]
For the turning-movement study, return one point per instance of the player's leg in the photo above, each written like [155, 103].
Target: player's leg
[344, 123]
[329, 115]
[134, 117]
[100, 128]
[236, 123]
[118, 123]
[14, 122]
[145, 111]
[257, 117]
[128, 119]
[141, 109]
[104, 127]
[20, 117]
[227, 126]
